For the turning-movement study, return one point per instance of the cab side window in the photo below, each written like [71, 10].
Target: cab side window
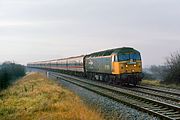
[115, 58]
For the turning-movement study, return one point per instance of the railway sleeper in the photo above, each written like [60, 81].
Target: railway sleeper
[177, 118]
[155, 108]
[147, 102]
[149, 107]
[165, 108]
[160, 109]
[137, 99]
[141, 100]
[171, 113]
[155, 105]
[163, 112]
[175, 115]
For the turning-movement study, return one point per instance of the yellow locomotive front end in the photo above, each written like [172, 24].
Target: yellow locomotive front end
[127, 66]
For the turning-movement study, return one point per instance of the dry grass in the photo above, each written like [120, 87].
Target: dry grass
[158, 83]
[151, 82]
[36, 98]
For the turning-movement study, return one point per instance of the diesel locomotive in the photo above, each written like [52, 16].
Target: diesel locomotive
[116, 66]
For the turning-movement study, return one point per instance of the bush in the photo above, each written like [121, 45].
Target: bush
[9, 72]
[173, 69]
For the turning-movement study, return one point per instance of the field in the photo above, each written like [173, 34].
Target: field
[34, 97]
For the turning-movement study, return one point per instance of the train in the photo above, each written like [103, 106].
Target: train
[113, 66]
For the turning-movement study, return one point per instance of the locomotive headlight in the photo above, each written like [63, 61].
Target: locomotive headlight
[132, 70]
[134, 65]
[126, 65]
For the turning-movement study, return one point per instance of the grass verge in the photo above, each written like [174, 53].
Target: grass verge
[34, 97]
[160, 84]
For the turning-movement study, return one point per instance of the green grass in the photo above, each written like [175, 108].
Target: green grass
[34, 97]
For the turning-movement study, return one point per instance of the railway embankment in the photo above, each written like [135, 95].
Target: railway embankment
[36, 97]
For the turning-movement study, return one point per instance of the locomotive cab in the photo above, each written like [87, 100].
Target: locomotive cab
[127, 66]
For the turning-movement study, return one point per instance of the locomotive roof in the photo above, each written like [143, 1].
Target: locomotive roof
[113, 51]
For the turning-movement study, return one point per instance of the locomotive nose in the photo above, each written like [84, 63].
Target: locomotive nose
[131, 67]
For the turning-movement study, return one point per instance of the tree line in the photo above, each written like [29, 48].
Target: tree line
[167, 73]
[9, 72]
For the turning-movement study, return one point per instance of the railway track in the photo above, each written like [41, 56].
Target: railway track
[155, 107]
[172, 98]
[167, 91]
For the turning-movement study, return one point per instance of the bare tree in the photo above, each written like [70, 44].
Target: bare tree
[172, 69]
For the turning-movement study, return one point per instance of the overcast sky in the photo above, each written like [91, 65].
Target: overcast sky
[33, 30]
